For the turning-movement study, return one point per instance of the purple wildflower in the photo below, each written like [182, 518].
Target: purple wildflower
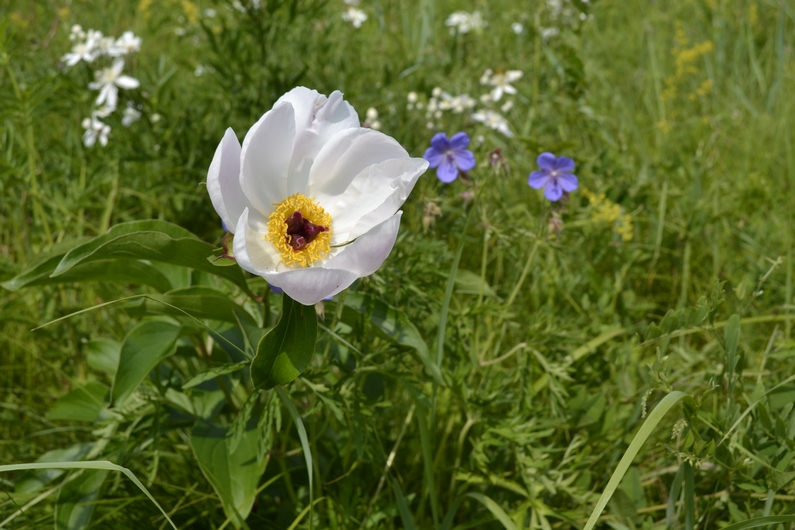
[450, 156]
[555, 176]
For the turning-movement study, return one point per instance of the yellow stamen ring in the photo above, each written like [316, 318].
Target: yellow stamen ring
[309, 210]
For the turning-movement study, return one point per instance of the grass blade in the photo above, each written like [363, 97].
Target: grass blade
[98, 464]
[626, 461]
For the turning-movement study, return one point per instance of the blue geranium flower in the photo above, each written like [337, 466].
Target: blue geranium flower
[449, 156]
[555, 176]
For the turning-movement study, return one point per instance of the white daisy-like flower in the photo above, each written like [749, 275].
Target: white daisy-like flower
[463, 22]
[109, 80]
[517, 28]
[130, 115]
[501, 81]
[457, 104]
[81, 51]
[77, 33]
[95, 130]
[493, 120]
[312, 197]
[355, 16]
[126, 44]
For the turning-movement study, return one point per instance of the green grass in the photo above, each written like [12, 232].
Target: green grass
[554, 337]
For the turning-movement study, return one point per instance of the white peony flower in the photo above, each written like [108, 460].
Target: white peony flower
[312, 197]
[108, 82]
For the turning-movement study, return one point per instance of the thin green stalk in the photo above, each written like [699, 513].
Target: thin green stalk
[524, 274]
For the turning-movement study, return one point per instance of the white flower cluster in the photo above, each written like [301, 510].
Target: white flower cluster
[441, 101]
[354, 15]
[462, 22]
[93, 45]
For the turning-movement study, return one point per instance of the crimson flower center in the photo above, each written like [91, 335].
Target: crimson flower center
[301, 231]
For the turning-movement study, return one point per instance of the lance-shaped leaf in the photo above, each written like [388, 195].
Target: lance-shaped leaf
[77, 498]
[198, 302]
[286, 350]
[144, 347]
[234, 474]
[128, 271]
[153, 240]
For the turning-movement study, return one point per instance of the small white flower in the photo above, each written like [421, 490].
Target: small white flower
[436, 92]
[457, 104]
[126, 44]
[412, 97]
[493, 120]
[371, 115]
[355, 16]
[376, 125]
[77, 33]
[82, 51]
[156, 117]
[209, 13]
[95, 130]
[199, 71]
[313, 199]
[548, 33]
[130, 115]
[501, 81]
[507, 106]
[109, 80]
[463, 22]
[485, 98]
[517, 28]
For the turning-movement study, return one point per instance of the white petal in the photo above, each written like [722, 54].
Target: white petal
[253, 251]
[375, 194]
[223, 181]
[311, 285]
[265, 157]
[127, 82]
[368, 252]
[317, 120]
[346, 155]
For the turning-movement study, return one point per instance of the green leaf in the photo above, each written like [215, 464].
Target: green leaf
[36, 480]
[42, 266]
[299, 426]
[395, 325]
[234, 475]
[731, 340]
[144, 347]
[150, 240]
[214, 372]
[486, 501]
[84, 403]
[286, 350]
[199, 302]
[76, 499]
[640, 438]
[103, 355]
[130, 271]
[402, 505]
[97, 464]
[761, 521]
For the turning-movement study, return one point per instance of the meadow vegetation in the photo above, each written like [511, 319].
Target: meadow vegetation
[495, 371]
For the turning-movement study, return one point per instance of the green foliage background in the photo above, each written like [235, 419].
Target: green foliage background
[563, 325]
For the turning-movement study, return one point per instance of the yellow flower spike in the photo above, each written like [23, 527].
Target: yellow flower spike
[293, 251]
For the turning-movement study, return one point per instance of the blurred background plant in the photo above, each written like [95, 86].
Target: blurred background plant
[554, 327]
